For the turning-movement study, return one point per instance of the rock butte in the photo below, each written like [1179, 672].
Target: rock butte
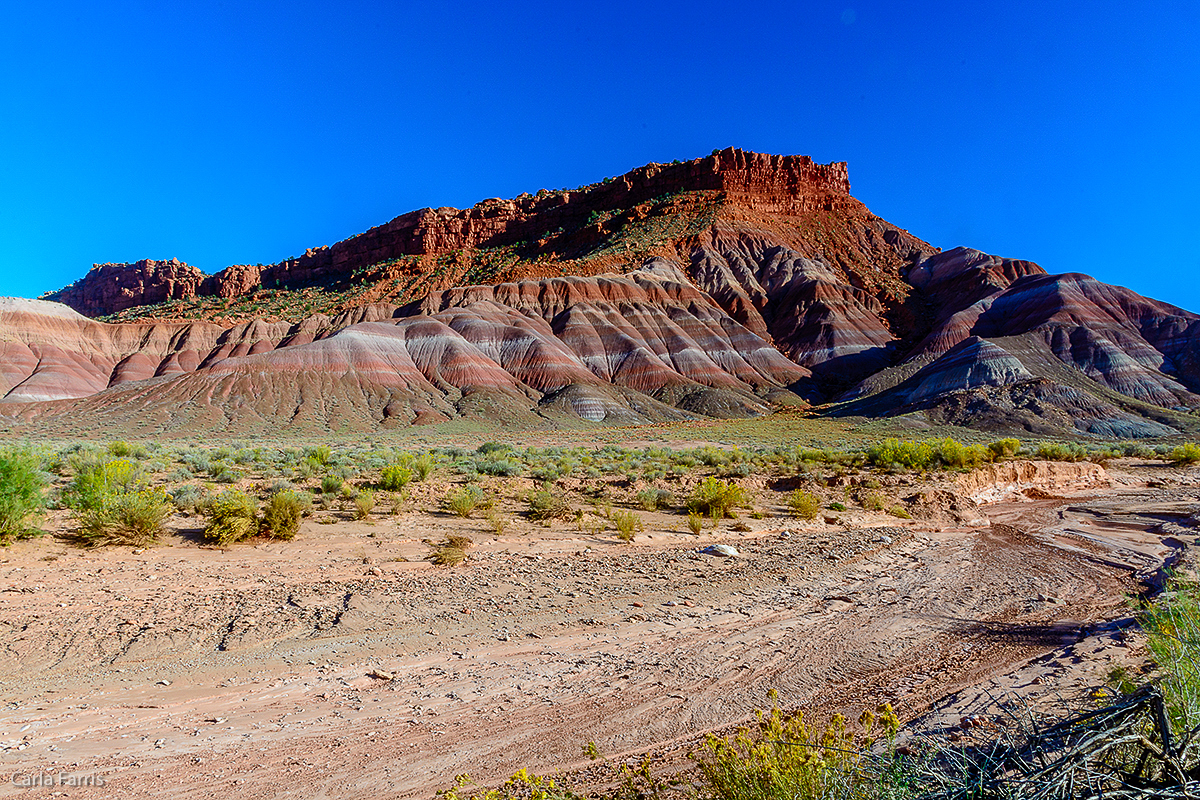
[713, 287]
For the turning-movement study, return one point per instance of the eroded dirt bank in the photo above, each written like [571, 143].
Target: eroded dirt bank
[325, 667]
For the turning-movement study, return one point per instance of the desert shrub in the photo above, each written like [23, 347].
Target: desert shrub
[786, 759]
[500, 467]
[319, 455]
[717, 499]
[837, 506]
[462, 501]
[899, 511]
[423, 466]
[95, 480]
[451, 552]
[545, 505]
[332, 484]
[627, 523]
[221, 472]
[873, 501]
[21, 486]
[695, 522]
[1054, 451]
[1004, 448]
[893, 453]
[364, 504]
[497, 523]
[1173, 628]
[394, 477]
[130, 518]
[187, 498]
[120, 449]
[488, 448]
[232, 517]
[653, 499]
[804, 505]
[711, 456]
[283, 512]
[954, 455]
[1185, 454]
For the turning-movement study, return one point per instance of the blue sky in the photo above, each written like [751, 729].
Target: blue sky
[223, 133]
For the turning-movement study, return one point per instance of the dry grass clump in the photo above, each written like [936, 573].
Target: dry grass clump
[627, 524]
[451, 552]
[364, 503]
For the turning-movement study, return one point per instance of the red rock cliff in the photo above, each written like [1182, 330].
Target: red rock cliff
[765, 183]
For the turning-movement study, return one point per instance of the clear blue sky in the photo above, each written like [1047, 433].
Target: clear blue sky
[220, 133]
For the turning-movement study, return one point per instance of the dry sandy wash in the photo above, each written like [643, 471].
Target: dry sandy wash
[332, 666]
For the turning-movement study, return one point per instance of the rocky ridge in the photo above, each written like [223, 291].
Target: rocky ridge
[713, 286]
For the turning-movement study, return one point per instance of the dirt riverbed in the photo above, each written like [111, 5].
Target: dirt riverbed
[339, 664]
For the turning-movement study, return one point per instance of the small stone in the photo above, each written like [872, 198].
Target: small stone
[164, 683]
[381, 674]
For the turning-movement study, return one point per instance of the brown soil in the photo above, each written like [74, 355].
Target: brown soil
[341, 665]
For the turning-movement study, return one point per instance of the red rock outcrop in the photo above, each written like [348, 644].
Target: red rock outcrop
[108, 288]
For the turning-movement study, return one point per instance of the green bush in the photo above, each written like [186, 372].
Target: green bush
[364, 504]
[695, 522]
[545, 504]
[627, 523]
[188, 498]
[21, 485]
[1004, 448]
[94, 481]
[1172, 625]
[1185, 454]
[463, 500]
[283, 513]
[423, 466]
[717, 499]
[232, 517]
[785, 759]
[125, 518]
[394, 477]
[804, 505]
[331, 484]
[653, 499]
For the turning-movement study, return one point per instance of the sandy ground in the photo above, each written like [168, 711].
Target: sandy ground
[341, 665]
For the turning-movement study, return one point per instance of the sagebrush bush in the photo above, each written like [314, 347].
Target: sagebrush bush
[283, 512]
[717, 499]
[232, 517]
[21, 494]
[463, 500]
[331, 484]
[125, 518]
[188, 498]
[653, 499]
[545, 505]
